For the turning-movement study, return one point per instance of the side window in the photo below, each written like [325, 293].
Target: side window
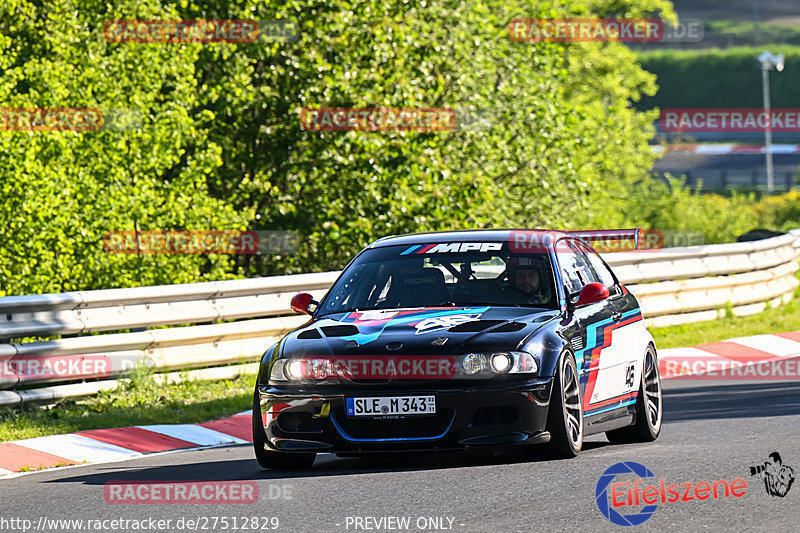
[576, 269]
[606, 277]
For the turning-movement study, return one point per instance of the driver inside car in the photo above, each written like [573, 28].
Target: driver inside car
[524, 283]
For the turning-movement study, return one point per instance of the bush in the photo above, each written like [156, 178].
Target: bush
[781, 212]
[671, 205]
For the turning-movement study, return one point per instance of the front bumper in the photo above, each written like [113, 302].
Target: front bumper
[489, 414]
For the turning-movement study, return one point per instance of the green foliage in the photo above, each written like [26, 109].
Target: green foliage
[743, 32]
[62, 191]
[562, 127]
[715, 78]
[221, 146]
[729, 310]
[781, 212]
[671, 205]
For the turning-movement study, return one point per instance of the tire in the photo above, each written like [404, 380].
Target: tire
[565, 414]
[269, 458]
[649, 406]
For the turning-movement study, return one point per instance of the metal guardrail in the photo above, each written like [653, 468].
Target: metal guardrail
[113, 309]
[675, 285]
[693, 284]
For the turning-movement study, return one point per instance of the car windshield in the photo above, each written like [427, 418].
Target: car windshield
[443, 274]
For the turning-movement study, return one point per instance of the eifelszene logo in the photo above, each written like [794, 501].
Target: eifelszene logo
[612, 496]
[778, 477]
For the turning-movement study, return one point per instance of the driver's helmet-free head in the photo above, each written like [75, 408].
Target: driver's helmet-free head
[526, 273]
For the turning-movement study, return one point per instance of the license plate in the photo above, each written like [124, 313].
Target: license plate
[391, 405]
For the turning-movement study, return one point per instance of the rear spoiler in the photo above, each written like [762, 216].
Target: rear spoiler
[599, 235]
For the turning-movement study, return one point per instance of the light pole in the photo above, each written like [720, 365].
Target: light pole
[768, 62]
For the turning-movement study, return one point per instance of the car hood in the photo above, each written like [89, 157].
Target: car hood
[419, 331]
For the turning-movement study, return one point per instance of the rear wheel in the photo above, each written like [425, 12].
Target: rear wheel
[648, 408]
[270, 458]
[565, 415]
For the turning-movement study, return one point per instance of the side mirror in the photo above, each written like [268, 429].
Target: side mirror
[302, 301]
[591, 293]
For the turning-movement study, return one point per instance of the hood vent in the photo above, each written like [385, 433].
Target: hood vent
[339, 331]
[474, 326]
[309, 334]
[509, 327]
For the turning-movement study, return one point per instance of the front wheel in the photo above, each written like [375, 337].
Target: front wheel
[270, 458]
[565, 415]
[647, 424]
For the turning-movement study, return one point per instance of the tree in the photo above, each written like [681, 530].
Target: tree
[221, 145]
[61, 191]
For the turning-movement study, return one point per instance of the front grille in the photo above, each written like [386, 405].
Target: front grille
[420, 427]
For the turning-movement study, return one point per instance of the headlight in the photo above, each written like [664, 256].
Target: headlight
[318, 368]
[474, 363]
[295, 369]
[501, 362]
[487, 365]
[524, 363]
[305, 369]
[278, 372]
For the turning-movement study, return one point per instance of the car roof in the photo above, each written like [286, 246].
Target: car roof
[480, 235]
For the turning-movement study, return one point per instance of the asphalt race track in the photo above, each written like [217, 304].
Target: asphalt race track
[712, 431]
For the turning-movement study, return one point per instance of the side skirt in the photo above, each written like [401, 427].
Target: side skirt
[609, 420]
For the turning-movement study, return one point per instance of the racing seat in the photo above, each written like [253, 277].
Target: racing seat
[418, 288]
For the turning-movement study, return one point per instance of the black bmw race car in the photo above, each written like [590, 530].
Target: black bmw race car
[455, 340]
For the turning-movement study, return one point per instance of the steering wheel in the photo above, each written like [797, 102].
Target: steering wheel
[492, 286]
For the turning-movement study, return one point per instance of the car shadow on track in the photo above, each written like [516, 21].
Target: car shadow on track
[326, 465]
[702, 400]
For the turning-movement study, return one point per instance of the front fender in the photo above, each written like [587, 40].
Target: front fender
[548, 345]
[267, 360]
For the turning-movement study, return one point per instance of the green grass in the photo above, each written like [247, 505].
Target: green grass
[141, 400]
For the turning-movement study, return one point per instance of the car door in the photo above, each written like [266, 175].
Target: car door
[593, 319]
[612, 375]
